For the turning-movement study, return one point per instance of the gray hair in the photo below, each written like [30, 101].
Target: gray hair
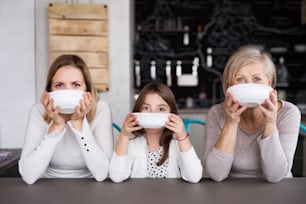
[245, 55]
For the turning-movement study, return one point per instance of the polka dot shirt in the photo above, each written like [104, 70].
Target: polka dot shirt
[155, 171]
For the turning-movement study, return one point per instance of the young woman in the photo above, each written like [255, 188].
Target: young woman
[77, 145]
[251, 142]
[155, 153]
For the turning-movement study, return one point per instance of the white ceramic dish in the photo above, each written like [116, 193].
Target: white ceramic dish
[152, 120]
[250, 94]
[67, 100]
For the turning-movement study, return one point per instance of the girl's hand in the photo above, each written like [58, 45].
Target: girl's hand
[176, 125]
[232, 108]
[84, 108]
[54, 114]
[130, 125]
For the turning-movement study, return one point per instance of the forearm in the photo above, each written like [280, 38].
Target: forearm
[96, 160]
[184, 143]
[228, 137]
[191, 167]
[34, 162]
[274, 162]
[218, 164]
[121, 147]
[119, 168]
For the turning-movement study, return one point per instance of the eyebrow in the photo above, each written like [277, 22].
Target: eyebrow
[157, 105]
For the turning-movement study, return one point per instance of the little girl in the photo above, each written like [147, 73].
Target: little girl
[155, 153]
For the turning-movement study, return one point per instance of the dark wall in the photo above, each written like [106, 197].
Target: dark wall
[172, 30]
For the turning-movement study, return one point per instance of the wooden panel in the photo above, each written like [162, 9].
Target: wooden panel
[78, 43]
[78, 11]
[102, 87]
[81, 29]
[77, 27]
[99, 75]
[92, 59]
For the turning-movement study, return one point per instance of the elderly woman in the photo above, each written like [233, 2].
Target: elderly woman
[243, 141]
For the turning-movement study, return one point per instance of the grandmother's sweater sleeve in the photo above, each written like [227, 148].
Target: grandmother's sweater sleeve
[277, 150]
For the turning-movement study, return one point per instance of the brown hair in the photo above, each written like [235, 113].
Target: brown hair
[77, 62]
[248, 54]
[167, 95]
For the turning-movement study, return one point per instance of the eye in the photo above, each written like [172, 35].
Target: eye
[76, 85]
[257, 79]
[240, 80]
[59, 85]
[161, 109]
[145, 108]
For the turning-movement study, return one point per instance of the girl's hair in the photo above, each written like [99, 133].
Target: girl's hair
[167, 95]
[77, 62]
[245, 55]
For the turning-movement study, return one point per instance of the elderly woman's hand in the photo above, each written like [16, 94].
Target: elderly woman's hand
[232, 108]
[269, 108]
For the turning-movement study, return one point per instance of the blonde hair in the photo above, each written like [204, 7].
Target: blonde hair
[77, 62]
[245, 55]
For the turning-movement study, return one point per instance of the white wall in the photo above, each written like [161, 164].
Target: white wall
[17, 78]
[24, 61]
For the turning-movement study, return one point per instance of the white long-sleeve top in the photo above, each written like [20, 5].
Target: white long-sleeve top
[184, 165]
[67, 153]
[270, 157]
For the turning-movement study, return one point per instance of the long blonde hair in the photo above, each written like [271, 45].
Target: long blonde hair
[248, 54]
[77, 62]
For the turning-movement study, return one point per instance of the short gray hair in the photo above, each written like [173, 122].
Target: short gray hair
[247, 54]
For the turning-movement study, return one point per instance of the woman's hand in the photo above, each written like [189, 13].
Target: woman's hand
[269, 109]
[176, 125]
[130, 125]
[84, 108]
[54, 114]
[232, 108]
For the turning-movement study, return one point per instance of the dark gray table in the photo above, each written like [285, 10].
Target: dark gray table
[147, 191]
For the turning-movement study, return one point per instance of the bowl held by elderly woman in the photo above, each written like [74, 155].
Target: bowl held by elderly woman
[250, 94]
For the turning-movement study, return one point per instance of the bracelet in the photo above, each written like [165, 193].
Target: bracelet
[184, 138]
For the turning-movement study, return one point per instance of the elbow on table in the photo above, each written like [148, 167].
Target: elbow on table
[29, 179]
[116, 179]
[217, 177]
[274, 179]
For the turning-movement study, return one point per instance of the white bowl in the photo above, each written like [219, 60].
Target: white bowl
[152, 120]
[250, 94]
[67, 100]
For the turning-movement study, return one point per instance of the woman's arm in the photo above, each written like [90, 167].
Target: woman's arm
[96, 141]
[217, 162]
[38, 147]
[277, 149]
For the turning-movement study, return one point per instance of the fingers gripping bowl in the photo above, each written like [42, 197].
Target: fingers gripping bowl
[152, 120]
[67, 100]
[249, 94]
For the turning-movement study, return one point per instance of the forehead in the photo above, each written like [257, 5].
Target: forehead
[252, 69]
[68, 72]
[153, 98]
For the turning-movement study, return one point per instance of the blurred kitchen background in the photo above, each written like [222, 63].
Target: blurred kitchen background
[186, 43]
